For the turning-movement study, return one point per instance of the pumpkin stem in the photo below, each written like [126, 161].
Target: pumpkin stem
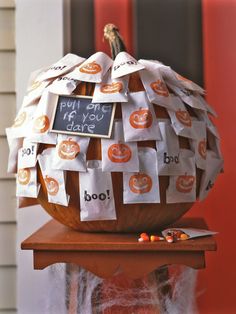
[111, 33]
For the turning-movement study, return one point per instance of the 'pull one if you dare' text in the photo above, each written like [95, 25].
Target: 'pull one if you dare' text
[80, 117]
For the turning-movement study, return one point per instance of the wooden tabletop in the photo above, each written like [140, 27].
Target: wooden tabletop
[103, 253]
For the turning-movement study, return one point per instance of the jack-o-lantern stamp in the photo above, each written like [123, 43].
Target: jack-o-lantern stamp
[184, 184]
[90, 68]
[184, 118]
[119, 153]
[41, 124]
[143, 186]
[54, 179]
[181, 189]
[111, 90]
[115, 87]
[52, 185]
[20, 119]
[160, 88]
[202, 148]
[26, 183]
[68, 149]
[140, 183]
[23, 176]
[141, 119]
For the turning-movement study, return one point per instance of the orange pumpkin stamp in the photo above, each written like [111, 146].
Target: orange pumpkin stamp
[23, 176]
[41, 124]
[34, 86]
[91, 68]
[141, 119]
[140, 183]
[119, 153]
[202, 149]
[68, 149]
[159, 87]
[184, 184]
[184, 118]
[20, 119]
[182, 78]
[52, 185]
[115, 87]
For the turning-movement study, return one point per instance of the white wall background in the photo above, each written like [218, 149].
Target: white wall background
[42, 37]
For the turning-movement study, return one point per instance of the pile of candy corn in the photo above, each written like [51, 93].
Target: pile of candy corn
[172, 236]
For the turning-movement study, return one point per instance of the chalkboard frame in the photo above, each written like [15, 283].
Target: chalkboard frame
[52, 130]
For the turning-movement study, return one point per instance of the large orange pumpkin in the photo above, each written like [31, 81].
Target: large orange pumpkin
[130, 217]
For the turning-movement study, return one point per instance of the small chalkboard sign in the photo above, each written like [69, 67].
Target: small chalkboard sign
[77, 115]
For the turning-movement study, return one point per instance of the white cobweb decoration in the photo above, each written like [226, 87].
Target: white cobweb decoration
[74, 290]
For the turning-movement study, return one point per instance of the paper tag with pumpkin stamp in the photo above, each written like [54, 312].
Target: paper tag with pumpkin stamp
[93, 69]
[180, 81]
[214, 145]
[14, 145]
[27, 155]
[22, 122]
[152, 64]
[54, 180]
[182, 187]
[155, 86]
[64, 65]
[26, 183]
[174, 162]
[118, 155]
[188, 84]
[188, 97]
[168, 150]
[70, 153]
[199, 145]
[111, 90]
[34, 92]
[183, 123]
[139, 119]
[41, 122]
[142, 186]
[125, 64]
[64, 85]
[214, 166]
[203, 116]
[96, 193]
[206, 105]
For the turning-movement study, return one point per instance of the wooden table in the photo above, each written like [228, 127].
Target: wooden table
[104, 253]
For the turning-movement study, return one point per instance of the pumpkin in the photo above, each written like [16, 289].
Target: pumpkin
[68, 149]
[141, 119]
[23, 176]
[130, 217]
